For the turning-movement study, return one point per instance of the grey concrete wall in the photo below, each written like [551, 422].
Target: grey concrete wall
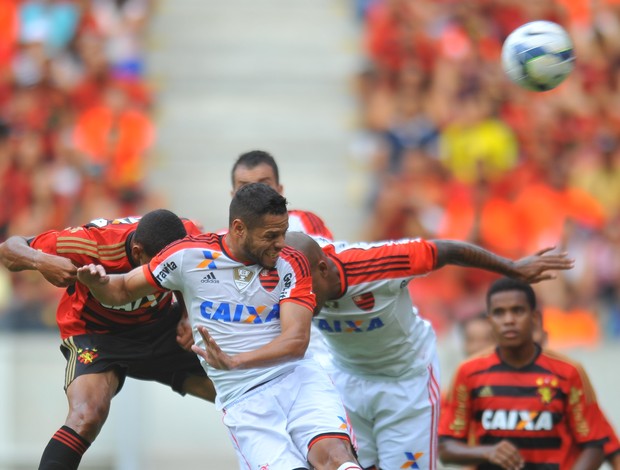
[151, 427]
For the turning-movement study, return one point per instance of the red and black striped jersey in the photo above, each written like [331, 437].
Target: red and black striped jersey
[108, 243]
[547, 409]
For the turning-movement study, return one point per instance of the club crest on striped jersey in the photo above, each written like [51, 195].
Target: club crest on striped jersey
[546, 388]
[269, 279]
[365, 301]
[242, 277]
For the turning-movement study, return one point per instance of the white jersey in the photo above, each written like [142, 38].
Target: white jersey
[238, 304]
[372, 329]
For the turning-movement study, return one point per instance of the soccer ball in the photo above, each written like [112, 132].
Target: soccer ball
[538, 56]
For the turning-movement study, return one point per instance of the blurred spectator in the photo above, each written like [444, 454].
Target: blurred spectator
[75, 125]
[464, 153]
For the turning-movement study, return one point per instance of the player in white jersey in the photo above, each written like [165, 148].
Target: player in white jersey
[383, 352]
[258, 166]
[250, 302]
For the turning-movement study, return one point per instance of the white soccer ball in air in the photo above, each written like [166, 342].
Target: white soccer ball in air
[538, 56]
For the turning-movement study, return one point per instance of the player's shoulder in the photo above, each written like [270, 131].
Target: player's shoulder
[295, 257]
[560, 361]
[208, 240]
[308, 222]
[101, 231]
[482, 360]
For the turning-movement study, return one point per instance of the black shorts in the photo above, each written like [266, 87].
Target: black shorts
[148, 352]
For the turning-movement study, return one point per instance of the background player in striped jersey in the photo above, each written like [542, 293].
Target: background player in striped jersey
[526, 407]
[384, 358]
[478, 337]
[253, 295]
[104, 344]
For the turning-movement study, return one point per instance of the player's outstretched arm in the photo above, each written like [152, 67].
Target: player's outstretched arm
[17, 255]
[114, 289]
[289, 345]
[503, 454]
[535, 268]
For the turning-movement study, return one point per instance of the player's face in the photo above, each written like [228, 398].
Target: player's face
[512, 318]
[259, 174]
[263, 244]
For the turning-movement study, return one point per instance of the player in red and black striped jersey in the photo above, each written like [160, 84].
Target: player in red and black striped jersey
[105, 344]
[523, 406]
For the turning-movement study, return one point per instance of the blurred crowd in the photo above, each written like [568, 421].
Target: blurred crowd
[458, 151]
[76, 127]
[455, 149]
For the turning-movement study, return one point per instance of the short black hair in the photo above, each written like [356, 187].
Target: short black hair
[157, 229]
[252, 159]
[253, 201]
[507, 284]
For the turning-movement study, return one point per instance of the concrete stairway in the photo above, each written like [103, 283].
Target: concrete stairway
[239, 75]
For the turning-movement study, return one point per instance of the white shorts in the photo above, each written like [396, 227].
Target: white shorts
[395, 422]
[274, 425]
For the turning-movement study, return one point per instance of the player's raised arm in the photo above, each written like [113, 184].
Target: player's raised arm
[289, 345]
[115, 289]
[17, 255]
[534, 268]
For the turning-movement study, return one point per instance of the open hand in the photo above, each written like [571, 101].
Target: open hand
[212, 353]
[537, 267]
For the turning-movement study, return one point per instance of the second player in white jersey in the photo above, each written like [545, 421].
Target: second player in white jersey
[373, 328]
[384, 360]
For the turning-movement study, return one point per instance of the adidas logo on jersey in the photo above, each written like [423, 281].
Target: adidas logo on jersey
[210, 279]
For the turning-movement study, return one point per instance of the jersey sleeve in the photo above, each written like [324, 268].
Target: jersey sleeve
[74, 243]
[298, 280]
[456, 409]
[585, 419]
[310, 223]
[164, 271]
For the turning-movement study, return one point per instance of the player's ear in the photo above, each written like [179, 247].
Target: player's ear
[137, 252]
[238, 228]
[323, 268]
[280, 189]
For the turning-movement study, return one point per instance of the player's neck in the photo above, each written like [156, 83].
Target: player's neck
[520, 356]
[234, 249]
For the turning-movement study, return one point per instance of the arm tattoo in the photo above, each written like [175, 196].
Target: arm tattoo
[472, 256]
